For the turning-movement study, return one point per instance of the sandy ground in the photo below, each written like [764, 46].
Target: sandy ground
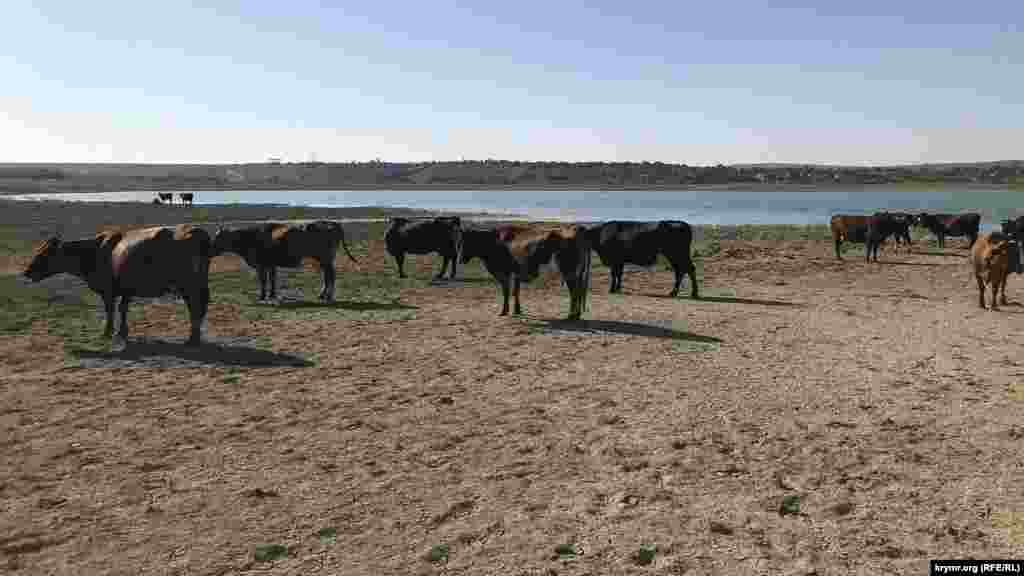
[879, 394]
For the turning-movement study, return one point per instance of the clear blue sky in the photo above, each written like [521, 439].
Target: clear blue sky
[863, 82]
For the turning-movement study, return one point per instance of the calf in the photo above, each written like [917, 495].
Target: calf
[514, 254]
[850, 228]
[186, 198]
[990, 263]
[143, 263]
[618, 243]
[440, 235]
[943, 225]
[272, 245]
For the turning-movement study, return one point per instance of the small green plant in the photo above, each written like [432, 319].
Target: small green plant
[645, 555]
[270, 552]
[231, 377]
[438, 553]
[565, 551]
[790, 505]
[327, 537]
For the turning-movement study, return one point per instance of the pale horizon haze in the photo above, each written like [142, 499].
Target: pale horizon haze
[860, 83]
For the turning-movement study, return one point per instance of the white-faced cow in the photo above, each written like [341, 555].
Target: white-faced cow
[142, 263]
[618, 243]
[515, 254]
[441, 235]
[269, 246]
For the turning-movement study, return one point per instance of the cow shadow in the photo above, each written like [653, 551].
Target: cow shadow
[172, 354]
[352, 305]
[900, 263]
[728, 300]
[457, 281]
[937, 253]
[619, 327]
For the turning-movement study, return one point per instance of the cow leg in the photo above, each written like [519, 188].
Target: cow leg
[272, 281]
[505, 289]
[691, 271]
[400, 260]
[455, 259]
[122, 329]
[838, 254]
[981, 291]
[197, 302]
[261, 272]
[995, 294]
[108, 305]
[330, 277]
[515, 292]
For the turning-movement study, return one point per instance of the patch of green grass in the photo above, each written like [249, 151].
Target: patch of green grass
[565, 551]
[71, 315]
[231, 376]
[438, 553]
[790, 505]
[645, 555]
[270, 552]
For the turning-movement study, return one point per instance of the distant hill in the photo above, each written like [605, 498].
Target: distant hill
[498, 174]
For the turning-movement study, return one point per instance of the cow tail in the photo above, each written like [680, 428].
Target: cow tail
[584, 282]
[341, 234]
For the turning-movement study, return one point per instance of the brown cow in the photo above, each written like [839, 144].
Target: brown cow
[142, 263]
[515, 254]
[848, 227]
[990, 260]
[272, 245]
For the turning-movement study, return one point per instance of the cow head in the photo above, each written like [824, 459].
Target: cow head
[224, 241]
[475, 243]
[47, 260]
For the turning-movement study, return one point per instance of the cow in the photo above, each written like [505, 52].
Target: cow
[990, 261]
[271, 245]
[902, 233]
[849, 228]
[442, 235]
[141, 263]
[1015, 230]
[618, 243]
[880, 226]
[166, 198]
[514, 254]
[943, 225]
[186, 198]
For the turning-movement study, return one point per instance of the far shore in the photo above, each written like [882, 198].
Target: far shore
[9, 189]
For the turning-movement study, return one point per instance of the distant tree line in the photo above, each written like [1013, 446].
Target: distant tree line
[498, 173]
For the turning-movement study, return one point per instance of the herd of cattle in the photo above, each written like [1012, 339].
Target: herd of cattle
[153, 262]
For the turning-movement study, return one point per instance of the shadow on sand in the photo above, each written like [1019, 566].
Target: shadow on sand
[937, 253]
[172, 354]
[731, 300]
[617, 327]
[898, 263]
[346, 305]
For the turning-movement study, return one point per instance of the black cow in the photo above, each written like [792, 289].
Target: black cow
[619, 243]
[882, 225]
[516, 253]
[1015, 230]
[943, 225]
[186, 198]
[441, 235]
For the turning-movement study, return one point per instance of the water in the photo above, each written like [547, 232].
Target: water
[694, 206]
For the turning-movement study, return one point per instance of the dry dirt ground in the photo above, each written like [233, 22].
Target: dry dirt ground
[442, 439]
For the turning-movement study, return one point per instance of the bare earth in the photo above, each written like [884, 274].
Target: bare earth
[880, 394]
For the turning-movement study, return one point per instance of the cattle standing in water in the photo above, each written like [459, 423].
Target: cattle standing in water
[850, 228]
[516, 253]
[882, 225]
[272, 245]
[943, 225]
[619, 243]
[186, 198]
[143, 263]
[990, 263]
[442, 235]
